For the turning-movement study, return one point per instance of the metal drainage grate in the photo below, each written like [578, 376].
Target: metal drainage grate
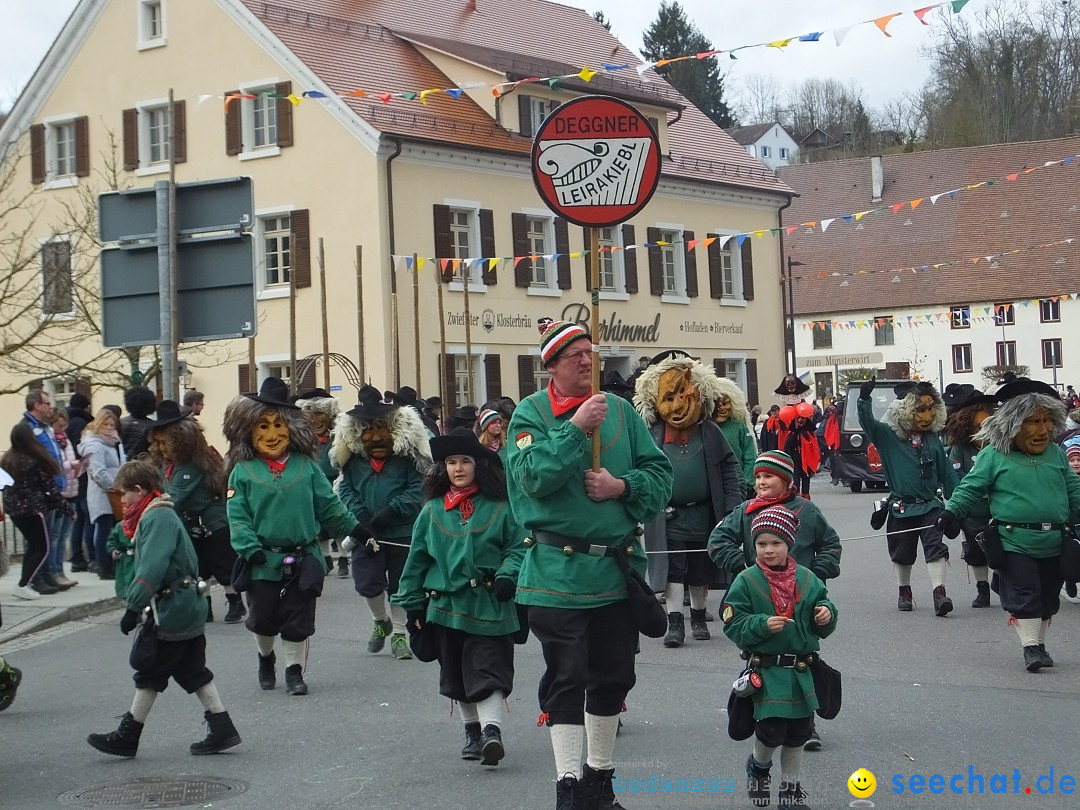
[153, 792]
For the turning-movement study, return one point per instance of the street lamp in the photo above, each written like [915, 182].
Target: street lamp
[791, 309]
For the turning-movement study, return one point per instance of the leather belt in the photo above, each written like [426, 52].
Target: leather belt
[287, 549]
[572, 545]
[785, 661]
[1035, 527]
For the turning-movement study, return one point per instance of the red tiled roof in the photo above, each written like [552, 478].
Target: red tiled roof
[1040, 207]
[351, 45]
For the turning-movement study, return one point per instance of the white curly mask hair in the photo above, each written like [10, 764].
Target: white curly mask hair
[647, 387]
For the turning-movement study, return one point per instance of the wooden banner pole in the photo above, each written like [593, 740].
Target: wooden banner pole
[594, 282]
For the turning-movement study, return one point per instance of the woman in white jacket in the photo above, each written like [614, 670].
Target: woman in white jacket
[101, 449]
[60, 526]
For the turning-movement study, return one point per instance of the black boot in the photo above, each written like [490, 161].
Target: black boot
[813, 743]
[1033, 661]
[10, 679]
[698, 628]
[905, 601]
[222, 735]
[568, 794]
[343, 567]
[758, 783]
[791, 795]
[294, 680]
[267, 671]
[471, 751]
[1047, 661]
[942, 603]
[982, 597]
[237, 611]
[124, 742]
[676, 630]
[209, 610]
[597, 791]
[329, 562]
[491, 745]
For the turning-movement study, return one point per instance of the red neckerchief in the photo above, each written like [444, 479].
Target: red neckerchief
[461, 496]
[782, 588]
[276, 465]
[324, 438]
[170, 468]
[674, 435]
[561, 403]
[376, 463]
[133, 513]
[760, 503]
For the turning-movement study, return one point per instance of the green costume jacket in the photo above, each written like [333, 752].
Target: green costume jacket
[745, 449]
[124, 565]
[193, 500]
[445, 555]
[289, 511]
[164, 555]
[747, 606]
[327, 466]
[1024, 489]
[901, 463]
[366, 492]
[817, 545]
[547, 457]
[963, 459]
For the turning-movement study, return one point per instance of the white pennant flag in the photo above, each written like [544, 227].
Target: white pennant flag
[934, 199]
[825, 223]
[840, 33]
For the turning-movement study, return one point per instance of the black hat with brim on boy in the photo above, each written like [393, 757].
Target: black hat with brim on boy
[461, 442]
[275, 392]
[371, 406]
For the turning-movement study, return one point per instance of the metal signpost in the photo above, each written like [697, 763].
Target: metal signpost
[596, 163]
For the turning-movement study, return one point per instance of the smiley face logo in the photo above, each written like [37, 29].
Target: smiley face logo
[862, 784]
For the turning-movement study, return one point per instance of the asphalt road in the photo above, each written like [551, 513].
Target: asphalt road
[922, 695]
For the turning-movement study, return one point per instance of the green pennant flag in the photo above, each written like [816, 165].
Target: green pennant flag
[990, 182]
[408, 96]
[957, 5]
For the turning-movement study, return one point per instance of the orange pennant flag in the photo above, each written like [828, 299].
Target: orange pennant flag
[915, 203]
[709, 241]
[358, 94]
[883, 22]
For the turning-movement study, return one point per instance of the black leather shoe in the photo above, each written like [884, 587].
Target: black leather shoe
[1033, 661]
[267, 671]
[471, 751]
[1047, 661]
[491, 745]
[294, 680]
[758, 783]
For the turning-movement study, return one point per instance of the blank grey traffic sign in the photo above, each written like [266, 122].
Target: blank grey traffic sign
[209, 205]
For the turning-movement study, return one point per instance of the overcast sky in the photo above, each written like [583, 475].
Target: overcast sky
[884, 67]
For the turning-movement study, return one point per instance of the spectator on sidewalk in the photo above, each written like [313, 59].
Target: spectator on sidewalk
[61, 520]
[139, 402]
[194, 401]
[104, 453]
[82, 533]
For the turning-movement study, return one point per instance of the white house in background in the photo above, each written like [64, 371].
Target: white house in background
[770, 143]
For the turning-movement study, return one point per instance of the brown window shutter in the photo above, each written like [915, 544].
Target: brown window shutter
[35, 385]
[719, 366]
[131, 139]
[716, 274]
[586, 241]
[244, 378]
[444, 247]
[520, 232]
[526, 378]
[37, 154]
[487, 245]
[493, 375]
[525, 117]
[562, 247]
[307, 379]
[82, 386]
[179, 113]
[656, 263]
[690, 264]
[752, 391]
[300, 225]
[234, 130]
[82, 146]
[449, 368]
[629, 258]
[748, 269]
[284, 114]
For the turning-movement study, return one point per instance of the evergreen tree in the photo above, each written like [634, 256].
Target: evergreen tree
[860, 131]
[603, 20]
[672, 34]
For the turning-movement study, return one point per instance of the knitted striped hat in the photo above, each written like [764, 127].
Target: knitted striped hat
[776, 520]
[487, 416]
[1072, 450]
[776, 462]
[556, 336]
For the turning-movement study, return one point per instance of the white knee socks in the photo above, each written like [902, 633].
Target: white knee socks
[762, 753]
[377, 606]
[490, 709]
[981, 572]
[790, 763]
[397, 618]
[209, 698]
[142, 703]
[698, 595]
[937, 570]
[673, 595]
[567, 742]
[294, 652]
[601, 732]
[1028, 630]
[469, 713]
[1044, 625]
[903, 574]
[265, 644]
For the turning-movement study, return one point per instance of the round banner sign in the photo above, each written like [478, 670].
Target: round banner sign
[596, 161]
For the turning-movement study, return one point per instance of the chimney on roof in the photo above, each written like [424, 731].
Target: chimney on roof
[877, 179]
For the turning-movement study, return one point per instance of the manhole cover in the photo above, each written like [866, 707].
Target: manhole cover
[152, 792]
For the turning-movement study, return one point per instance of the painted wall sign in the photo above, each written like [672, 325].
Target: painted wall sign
[613, 328]
[596, 161]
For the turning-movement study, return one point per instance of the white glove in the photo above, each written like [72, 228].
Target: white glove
[348, 544]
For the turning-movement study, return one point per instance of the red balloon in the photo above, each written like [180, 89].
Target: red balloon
[788, 414]
[804, 409]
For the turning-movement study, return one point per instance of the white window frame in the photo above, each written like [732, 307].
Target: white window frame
[960, 317]
[478, 369]
[539, 372]
[735, 362]
[60, 390]
[539, 106]
[53, 179]
[618, 265]
[766, 151]
[1046, 342]
[887, 321]
[266, 363]
[247, 119]
[476, 269]
[826, 330]
[1002, 350]
[783, 150]
[729, 244]
[678, 255]
[967, 366]
[146, 108]
[1005, 314]
[1052, 311]
[265, 291]
[56, 316]
[551, 287]
[145, 39]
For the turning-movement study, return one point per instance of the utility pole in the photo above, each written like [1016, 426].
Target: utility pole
[791, 310]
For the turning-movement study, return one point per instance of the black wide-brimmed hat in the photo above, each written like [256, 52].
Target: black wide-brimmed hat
[669, 354]
[461, 442]
[406, 395]
[1023, 385]
[372, 406]
[615, 383]
[314, 393]
[464, 417]
[960, 395]
[168, 412]
[923, 389]
[433, 402]
[273, 391]
[791, 386]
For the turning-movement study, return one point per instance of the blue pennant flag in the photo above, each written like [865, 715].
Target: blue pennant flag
[811, 37]
[607, 66]
[741, 238]
[454, 92]
[313, 94]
